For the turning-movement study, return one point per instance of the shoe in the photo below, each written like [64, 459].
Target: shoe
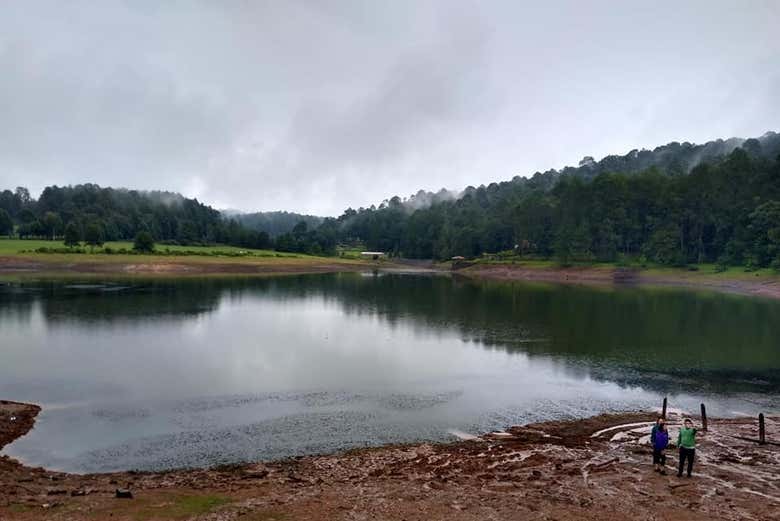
[689, 475]
[663, 472]
[679, 475]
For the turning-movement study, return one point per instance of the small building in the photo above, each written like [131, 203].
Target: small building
[373, 255]
[459, 261]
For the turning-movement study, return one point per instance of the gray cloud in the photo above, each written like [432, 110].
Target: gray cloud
[316, 106]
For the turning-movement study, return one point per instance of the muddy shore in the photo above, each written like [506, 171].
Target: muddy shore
[184, 266]
[175, 266]
[768, 287]
[592, 469]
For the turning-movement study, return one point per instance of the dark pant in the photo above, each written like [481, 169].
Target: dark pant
[686, 454]
[659, 458]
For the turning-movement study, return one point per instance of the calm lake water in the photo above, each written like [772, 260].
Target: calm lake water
[154, 374]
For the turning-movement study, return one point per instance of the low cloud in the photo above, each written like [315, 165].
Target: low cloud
[316, 106]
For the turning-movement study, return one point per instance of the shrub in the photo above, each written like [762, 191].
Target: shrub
[751, 263]
[144, 242]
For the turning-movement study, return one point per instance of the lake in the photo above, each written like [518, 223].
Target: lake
[158, 373]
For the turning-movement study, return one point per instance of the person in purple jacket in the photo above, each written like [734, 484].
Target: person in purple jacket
[659, 438]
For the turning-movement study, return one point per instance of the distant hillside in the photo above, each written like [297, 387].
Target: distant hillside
[671, 159]
[676, 204]
[675, 158]
[274, 223]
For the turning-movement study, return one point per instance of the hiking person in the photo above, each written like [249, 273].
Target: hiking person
[659, 421]
[659, 437]
[686, 440]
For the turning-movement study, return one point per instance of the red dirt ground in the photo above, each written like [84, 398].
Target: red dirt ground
[564, 470]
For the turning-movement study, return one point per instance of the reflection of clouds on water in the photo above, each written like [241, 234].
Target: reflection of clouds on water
[185, 372]
[627, 336]
[417, 402]
[120, 413]
[46, 384]
[225, 429]
[273, 439]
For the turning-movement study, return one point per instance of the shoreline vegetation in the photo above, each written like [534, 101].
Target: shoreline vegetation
[589, 469]
[20, 258]
[677, 205]
[759, 283]
[33, 257]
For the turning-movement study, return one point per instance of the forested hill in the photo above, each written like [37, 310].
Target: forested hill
[675, 158]
[676, 204]
[120, 214]
[274, 223]
[680, 203]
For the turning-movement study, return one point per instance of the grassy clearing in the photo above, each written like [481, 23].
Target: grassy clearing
[163, 255]
[16, 246]
[350, 253]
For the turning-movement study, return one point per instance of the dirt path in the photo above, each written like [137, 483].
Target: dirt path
[592, 469]
[762, 286]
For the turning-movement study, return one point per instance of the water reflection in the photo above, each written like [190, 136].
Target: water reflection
[722, 340]
[89, 302]
[159, 373]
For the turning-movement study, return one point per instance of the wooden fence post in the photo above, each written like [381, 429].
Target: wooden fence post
[663, 409]
[761, 430]
[703, 418]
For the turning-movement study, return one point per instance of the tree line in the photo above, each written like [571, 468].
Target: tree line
[274, 223]
[94, 214]
[724, 210]
[675, 205]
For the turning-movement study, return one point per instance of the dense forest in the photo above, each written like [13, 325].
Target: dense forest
[677, 204]
[117, 214]
[274, 223]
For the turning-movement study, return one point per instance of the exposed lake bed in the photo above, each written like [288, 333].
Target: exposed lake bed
[591, 468]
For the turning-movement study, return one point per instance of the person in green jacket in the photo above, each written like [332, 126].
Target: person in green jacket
[686, 440]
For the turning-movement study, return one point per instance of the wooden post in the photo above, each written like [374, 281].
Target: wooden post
[761, 430]
[663, 409]
[703, 418]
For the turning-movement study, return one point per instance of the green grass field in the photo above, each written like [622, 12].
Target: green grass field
[15, 246]
[212, 259]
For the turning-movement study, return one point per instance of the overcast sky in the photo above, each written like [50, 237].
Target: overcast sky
[317, 106]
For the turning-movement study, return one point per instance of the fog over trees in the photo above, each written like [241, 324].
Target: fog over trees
[99, 214]
[677, 204]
